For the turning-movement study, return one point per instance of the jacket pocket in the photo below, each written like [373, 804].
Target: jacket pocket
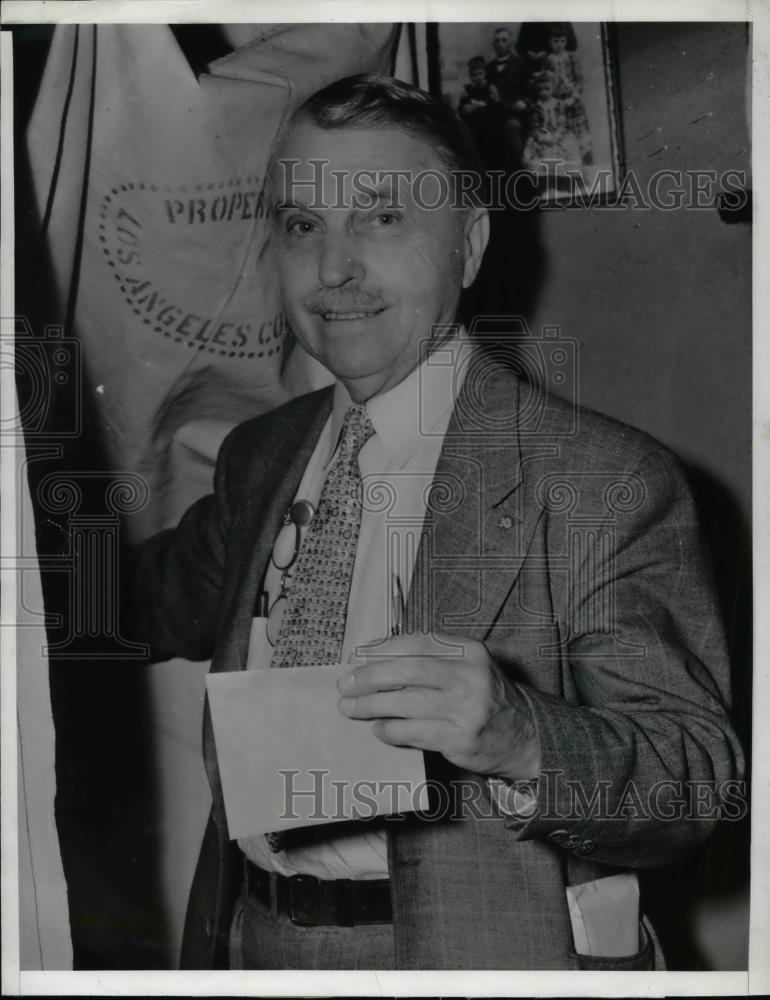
[641, 961]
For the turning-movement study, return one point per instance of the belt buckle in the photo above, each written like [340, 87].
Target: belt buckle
[297, 900]
[328, 903]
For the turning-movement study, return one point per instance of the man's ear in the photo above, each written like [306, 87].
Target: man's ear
[475, 238]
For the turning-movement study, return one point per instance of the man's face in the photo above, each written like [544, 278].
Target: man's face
[364, 284]
[501, 43]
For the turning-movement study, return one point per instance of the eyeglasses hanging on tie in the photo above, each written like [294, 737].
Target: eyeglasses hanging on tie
[284, 556]
[285, 552]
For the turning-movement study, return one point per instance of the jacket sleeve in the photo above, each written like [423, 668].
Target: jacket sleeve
[173, 581]
[634, 772]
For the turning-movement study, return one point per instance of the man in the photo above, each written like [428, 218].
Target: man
[559, 661]
[510, 74]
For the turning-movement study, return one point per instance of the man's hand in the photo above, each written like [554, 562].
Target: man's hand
[425, 692]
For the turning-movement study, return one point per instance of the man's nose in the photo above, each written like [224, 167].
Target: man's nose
[340, 262]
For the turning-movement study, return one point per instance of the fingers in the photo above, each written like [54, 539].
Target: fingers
[405, 703]
[431, 692]
[420, 660]
[392, 674]
[423, 734]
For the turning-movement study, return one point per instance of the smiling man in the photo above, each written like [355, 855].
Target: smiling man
[366, 268]
[558, 654]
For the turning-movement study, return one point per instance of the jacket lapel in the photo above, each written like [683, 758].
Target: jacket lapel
[477, 527]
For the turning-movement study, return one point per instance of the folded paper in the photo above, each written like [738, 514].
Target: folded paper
[605, 916]
[288, 757]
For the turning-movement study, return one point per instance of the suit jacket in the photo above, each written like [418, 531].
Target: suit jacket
[512, 79]
[568, 543]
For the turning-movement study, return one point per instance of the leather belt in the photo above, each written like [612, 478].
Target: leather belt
[313, 902]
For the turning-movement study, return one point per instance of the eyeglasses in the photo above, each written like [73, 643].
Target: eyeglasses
[284, 556]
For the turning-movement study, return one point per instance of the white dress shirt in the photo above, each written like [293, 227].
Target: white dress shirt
[397, 467]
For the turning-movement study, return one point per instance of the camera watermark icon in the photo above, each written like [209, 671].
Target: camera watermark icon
[544, 362]
[49, 379]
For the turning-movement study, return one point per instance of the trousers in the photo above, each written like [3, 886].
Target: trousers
[262, 939]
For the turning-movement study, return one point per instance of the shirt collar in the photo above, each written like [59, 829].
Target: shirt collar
[404, 414]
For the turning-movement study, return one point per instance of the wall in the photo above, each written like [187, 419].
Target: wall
[660, 303]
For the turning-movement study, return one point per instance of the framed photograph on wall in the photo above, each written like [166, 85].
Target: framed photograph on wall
[540, 97]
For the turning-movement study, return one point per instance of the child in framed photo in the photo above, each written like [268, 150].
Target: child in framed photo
[480, 109]
[563, 62]
[551, 143]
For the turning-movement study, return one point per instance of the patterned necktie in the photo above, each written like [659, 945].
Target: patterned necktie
[313, 624]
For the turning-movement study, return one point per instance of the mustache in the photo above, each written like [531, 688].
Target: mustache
[360, 300]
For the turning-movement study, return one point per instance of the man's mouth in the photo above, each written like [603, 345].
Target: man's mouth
[350, 315]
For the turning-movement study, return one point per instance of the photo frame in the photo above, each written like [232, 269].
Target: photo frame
[541, 98]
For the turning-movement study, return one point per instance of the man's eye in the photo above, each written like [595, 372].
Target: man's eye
[299, 227]
[386, 219]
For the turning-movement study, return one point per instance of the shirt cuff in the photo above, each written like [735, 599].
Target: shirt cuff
[514, 799]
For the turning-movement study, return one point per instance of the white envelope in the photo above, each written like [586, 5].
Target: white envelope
[288, 757]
